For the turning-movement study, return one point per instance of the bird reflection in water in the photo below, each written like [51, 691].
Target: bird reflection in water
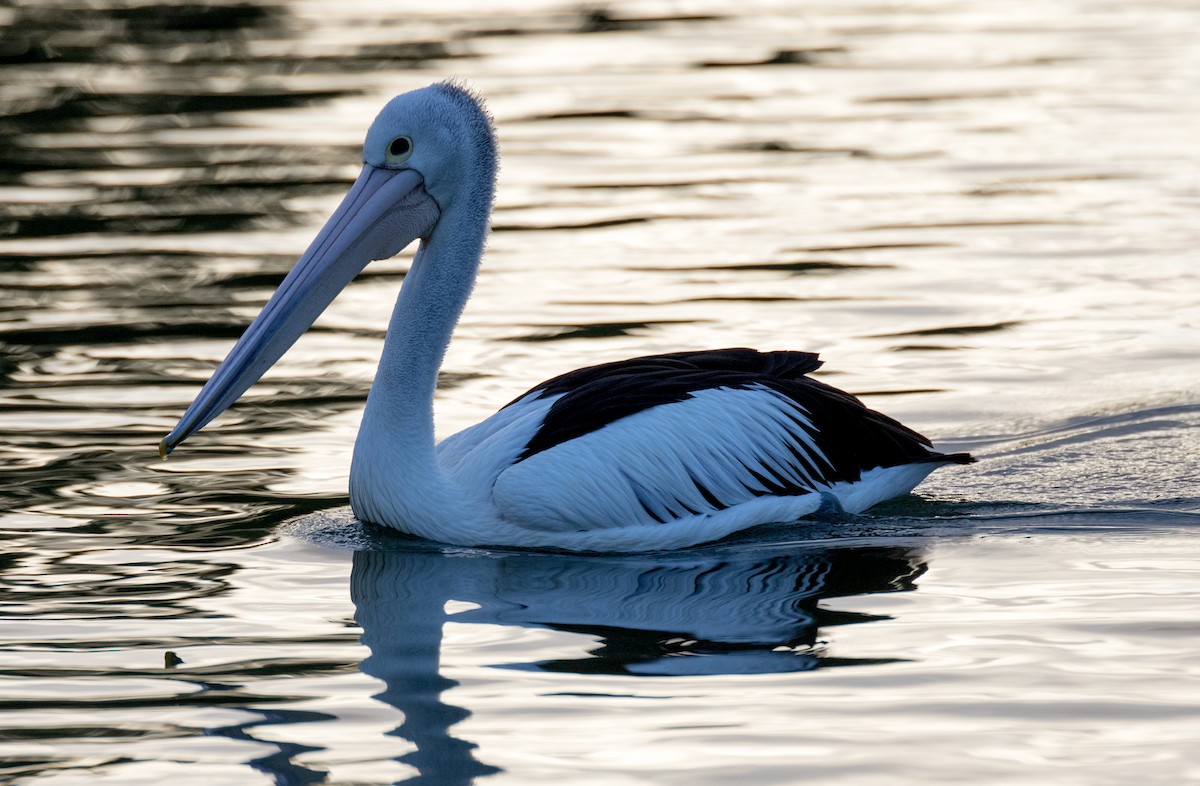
[697, 613]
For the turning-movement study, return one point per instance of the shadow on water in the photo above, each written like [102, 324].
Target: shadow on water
[706, 612]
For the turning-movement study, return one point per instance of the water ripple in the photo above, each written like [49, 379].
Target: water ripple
[982, 218]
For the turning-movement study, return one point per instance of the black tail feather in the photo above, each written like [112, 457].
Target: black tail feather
[952, 458]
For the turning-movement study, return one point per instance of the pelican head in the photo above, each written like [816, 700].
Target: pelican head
[429, 153]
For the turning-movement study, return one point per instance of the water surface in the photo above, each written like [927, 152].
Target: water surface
[983, 217]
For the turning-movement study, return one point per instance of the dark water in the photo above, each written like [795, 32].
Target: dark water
[983, 217]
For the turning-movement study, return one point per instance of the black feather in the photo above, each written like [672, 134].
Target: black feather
[852, 437]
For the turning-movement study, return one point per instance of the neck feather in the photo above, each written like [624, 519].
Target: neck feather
[395, 478]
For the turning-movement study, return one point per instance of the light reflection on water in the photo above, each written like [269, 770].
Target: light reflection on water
[982, 217]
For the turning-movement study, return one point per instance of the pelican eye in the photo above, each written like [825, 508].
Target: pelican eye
[399, 149]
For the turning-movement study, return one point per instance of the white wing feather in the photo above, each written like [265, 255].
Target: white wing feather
[649, 468]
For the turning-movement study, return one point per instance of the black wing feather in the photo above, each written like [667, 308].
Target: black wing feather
[852, 437]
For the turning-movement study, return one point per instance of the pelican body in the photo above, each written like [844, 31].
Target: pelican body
[658, 452]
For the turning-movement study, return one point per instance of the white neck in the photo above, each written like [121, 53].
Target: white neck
[395, 478]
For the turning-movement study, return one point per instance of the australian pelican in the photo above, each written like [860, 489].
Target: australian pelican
[651, 453]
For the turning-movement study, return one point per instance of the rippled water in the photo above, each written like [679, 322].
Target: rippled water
[983, 215]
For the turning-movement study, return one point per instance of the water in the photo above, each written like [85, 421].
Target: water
[982, 215]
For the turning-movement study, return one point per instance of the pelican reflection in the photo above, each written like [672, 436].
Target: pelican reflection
[696, 613]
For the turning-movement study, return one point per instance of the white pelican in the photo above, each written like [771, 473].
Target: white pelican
[657, 452]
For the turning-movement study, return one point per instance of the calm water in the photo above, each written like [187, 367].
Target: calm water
[983, 215]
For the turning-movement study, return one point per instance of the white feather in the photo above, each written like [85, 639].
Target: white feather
[648, 465]
[477, 454]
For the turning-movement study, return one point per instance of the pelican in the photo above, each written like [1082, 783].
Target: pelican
[659, 452]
